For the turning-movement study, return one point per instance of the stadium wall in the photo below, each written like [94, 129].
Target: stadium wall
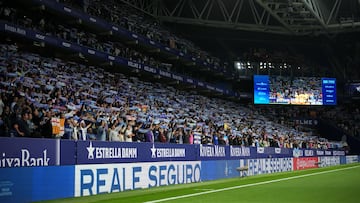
[45, 169]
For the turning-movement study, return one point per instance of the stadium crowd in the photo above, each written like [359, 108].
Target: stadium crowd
[83, 38]
[131, 19]
[346, 117]
[53, 98]
[44, 97]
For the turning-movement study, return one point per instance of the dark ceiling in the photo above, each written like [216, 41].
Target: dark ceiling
[229, 44]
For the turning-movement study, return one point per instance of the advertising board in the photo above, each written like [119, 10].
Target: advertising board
[305, 163]
[108, 178]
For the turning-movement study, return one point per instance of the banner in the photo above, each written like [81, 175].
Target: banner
[98, 152]
[326, 161]
[241, 152]
[338, 153]
[108, 178]
[265, 166]
[271, 152]
[352, 159]
[27, 152]
[305, 163]
[92, 152]
[309, 122]
[309, 152]
[320, 152]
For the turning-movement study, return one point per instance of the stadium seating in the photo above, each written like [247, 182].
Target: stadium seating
[75, 101]
[51, 89]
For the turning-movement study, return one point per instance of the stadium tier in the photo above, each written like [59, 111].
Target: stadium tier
[74, 101]
[109, 97]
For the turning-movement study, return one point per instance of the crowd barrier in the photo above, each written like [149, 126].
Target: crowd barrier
[23, 152]
[45, 169]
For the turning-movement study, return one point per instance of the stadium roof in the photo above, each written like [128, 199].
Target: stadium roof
[289, 17]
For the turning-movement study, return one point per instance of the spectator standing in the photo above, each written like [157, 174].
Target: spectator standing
[21, 126]
[114, 134]
[186, 137]
[84, 129]
[46, 126]
[14, 106]
[149, 137]
[129, 134]
[180, 136]
[6, 121]
[101, 131]
[75, 127]
[68, 133]
[215, 139]
[191, 137]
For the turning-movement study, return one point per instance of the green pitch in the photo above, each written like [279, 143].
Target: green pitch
[333, 184]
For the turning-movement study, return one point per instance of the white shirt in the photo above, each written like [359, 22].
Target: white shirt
[114, 135]
[128, 135]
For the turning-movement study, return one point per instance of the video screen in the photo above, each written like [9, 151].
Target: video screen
[294, 90]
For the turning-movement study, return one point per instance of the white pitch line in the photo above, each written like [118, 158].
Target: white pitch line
[204, 189]
[249, 185]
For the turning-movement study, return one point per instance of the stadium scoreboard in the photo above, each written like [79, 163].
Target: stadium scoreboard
[294, 90]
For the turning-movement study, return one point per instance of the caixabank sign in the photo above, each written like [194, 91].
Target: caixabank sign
[23, 153]
[28, 152]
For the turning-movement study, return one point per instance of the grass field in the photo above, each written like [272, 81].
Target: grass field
[333, 184]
